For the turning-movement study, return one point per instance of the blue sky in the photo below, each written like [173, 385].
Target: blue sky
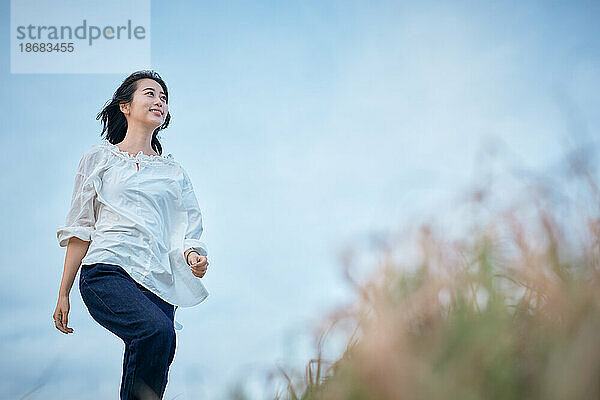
[306, 128]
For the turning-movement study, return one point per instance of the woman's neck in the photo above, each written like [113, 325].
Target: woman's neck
[134, 143]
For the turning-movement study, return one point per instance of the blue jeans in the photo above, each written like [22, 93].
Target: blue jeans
[140, 318]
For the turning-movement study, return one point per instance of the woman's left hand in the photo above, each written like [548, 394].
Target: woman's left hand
[198, 264]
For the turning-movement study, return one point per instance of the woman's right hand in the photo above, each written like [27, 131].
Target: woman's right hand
[61, 315]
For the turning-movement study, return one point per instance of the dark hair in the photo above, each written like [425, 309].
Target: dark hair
[114, 121]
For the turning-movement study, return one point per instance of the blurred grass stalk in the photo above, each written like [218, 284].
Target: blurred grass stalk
[510, 310]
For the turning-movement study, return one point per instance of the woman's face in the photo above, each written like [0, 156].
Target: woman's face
[148, 106]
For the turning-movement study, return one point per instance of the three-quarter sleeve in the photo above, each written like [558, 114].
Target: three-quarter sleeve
[194, 218]
[81, 219]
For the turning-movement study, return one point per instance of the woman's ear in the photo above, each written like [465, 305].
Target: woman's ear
[124, 107]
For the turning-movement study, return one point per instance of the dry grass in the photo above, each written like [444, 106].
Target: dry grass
[508, 310]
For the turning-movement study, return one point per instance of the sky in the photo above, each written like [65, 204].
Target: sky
[307, 128]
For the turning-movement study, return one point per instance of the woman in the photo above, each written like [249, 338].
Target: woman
[134, 226]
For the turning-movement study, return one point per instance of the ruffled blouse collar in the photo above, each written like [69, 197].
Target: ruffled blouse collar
[139, 156]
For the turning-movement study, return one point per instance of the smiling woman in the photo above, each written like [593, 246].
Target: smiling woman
[135, 103]
[134, 226]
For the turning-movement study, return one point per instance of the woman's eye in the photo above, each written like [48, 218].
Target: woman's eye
[164, 97]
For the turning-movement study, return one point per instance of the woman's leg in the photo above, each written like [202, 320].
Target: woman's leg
[169, 310]
[144, 322]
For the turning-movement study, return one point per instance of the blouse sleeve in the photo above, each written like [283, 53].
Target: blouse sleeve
[194, 218]
[81, 220]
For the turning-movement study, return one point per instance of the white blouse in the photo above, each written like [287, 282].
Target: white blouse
[141, 213]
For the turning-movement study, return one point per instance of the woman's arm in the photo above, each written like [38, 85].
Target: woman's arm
[194, 228]
[76, 250]
[76, 234]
